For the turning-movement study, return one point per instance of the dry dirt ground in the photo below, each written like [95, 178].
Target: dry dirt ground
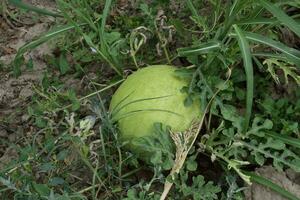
[15, 93]
[15, 34]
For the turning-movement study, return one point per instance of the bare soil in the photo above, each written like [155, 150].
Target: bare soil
[15, 93]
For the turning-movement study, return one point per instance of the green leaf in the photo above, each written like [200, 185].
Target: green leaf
[178, 24]
[199, 190]
[281, 16]
[44, 38]
[131, 195]
[8, 183]
[46, 167]
[191, 165]
[200, 20]
[51, 196]
[199, 49]
[247, 58]
[286, 139]
[270, 55]
[229, 113]
[156, 158]
[275, 150]
[20, 4]
[41, 189]
[104, 55]
[104, 46]
[275, 144]
[79, 14]
[145, 8]
[29, 64]
[288, 69]
[74, 100]
[183, 73]
[291, 53]
[159, 145]
[62, 155]
[41, 122]
[259, 126]
[55, 181]
[112, 37]
[260, 20]
[259, 158]
[63, 64]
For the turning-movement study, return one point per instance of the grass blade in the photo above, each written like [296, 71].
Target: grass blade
[282, 16]
[104, 46]
[270, 55]
[265, 182]
[265, 21]
[25, 6]
[103, 51]
[261, 20]
[199, 49]
[193, 9]
[291, 53]
[44, 38]
[194, 12]
[286, 139]
[33, 44]
[84, 18]
[247, 60]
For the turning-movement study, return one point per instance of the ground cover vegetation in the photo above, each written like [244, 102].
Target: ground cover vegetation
[242, 60]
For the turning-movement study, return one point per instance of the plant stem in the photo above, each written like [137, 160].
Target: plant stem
[163, 42]
[134, 59]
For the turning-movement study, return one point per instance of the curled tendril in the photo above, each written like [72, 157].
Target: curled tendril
[136, 40]
[164, 33]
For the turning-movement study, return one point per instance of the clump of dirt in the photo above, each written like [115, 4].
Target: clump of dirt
[9, 155]
[259, 192]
